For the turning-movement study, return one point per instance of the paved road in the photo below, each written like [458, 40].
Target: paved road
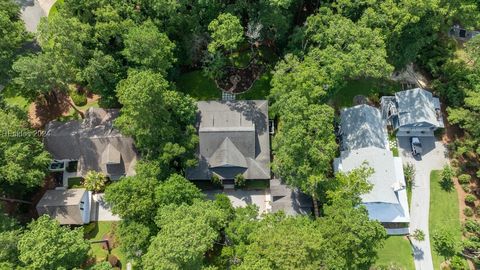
[433, 158]
[33, 10]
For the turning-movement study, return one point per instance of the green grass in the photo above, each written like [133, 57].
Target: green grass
[75, 182]
[397, 250]
[73, 115]
[444, 213]
[55, 6]
[12, 98]
[198, 86]
[343, 97]
[259, 90]
[100, 229]
[257, 184]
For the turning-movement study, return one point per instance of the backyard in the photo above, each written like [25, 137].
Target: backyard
[444, 212]
[97, 231]
[397, 251]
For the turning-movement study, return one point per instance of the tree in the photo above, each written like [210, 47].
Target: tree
[133, 198]
[418, 235]
[467, 117]
[47, 245]
[226, 32]
[23, 160]
[147, 47]
[348, 187]
[95, 181]
[13, 36]
[134, 238]
[177, 190]
[239, 180]
[447, 178]
[305, 146]
[102, 74]
[160, 120]
[187, 233]
[444, 243]
[102, 266]
[10, 232]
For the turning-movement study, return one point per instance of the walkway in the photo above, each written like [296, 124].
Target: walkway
[33, 10]
[434, 158]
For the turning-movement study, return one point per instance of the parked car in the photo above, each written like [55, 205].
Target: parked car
[416, 146]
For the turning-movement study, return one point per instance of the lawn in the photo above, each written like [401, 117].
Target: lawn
[397, 250]
[198, 86]
[371, 88]
[98, 230]
[444, 212]
[75, 182]
[54, 8]
[259, 90]
[73, 115]
[11, 97]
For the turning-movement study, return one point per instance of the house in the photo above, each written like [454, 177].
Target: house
[234, 140]
[67, 206]
[94, 143]
[364, 142]
[461, 33]
[291, 201]
[413, 112]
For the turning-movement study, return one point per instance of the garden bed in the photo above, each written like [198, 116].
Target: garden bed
[239, 80]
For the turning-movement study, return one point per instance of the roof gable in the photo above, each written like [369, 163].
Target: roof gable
[362, 126]
[227, 155]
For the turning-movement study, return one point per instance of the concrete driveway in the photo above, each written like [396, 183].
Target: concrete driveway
[241, 198]
[33, 10]
[434, 157]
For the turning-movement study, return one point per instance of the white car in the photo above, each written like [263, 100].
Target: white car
[416, 146]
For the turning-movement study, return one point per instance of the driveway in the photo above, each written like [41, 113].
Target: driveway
[433, 158]
[33, 10]
[100, 210]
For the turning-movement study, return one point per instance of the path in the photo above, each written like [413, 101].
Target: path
[33, 10]
[434, 158]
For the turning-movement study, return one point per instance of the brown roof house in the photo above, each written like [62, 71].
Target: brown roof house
[69, 207]
[94, 143]
[234, 139]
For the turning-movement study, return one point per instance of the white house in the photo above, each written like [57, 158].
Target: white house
[69, 207]
[364, 141]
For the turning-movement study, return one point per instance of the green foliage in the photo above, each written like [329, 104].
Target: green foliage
[470, 199]
[95, 181]
[240, 180]
[102, 266]
[146, 46]
[13, 37]
[47, 245]
[216, 180]
[445, 243]
[418, 235]
[132, 198]
[187, 232]
[464, 178]
[458, 263]
[447, 178]
[177, 190]
[79, 99]
[409, 172]
[226, 32]
[23, 160]
[348, 187]
[468, 212]
[134, 238]
[159, 119]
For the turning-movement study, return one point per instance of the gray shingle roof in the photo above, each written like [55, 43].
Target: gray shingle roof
[416, 106]
[234, 139]
[362, 126]
[62, 205]
[94, 142]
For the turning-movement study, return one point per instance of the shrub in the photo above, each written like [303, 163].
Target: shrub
[458, 263]
[95, 181]
[447, 175]
[240, 180]
[466, 188]
[216, 180]
[409, 171]
[477, 210]
[464, 178]
[78, 99]
[468, 212]
[470, 199]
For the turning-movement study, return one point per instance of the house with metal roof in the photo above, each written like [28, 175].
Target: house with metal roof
[414, 112]
[68, 207]
[94, 143]
[233, 140]
[364, 143]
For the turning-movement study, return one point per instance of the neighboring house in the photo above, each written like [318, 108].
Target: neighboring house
[234, 139]
[290, 201]
[412, 112]
[364, 142]
[94, 143]
[69, 207]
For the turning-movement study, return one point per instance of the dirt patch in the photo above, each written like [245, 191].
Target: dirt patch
[239, 80]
